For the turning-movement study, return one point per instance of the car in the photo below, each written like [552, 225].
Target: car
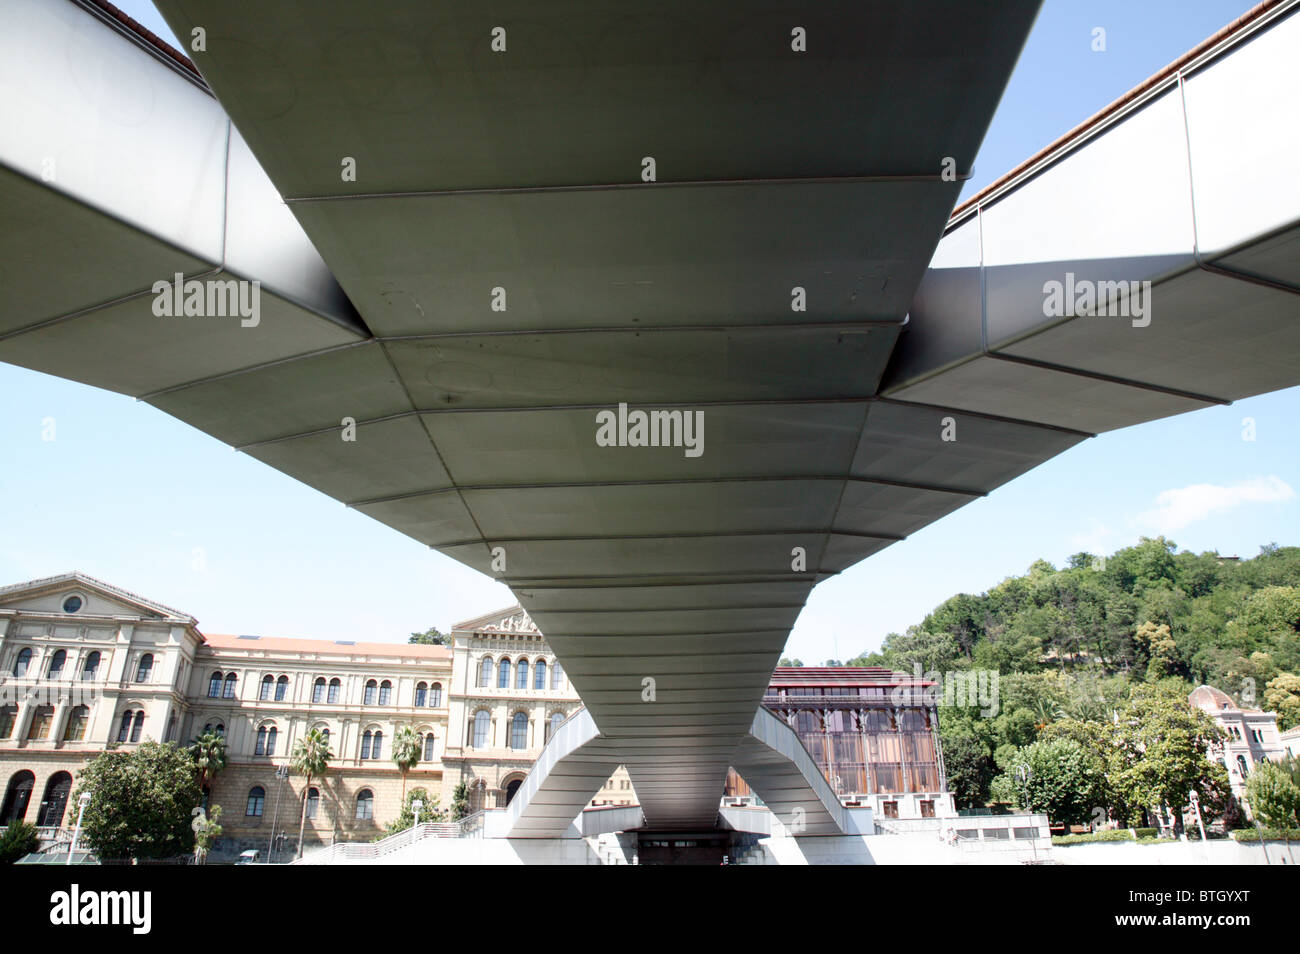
[249, 857]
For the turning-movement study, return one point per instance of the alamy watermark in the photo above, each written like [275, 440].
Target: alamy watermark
[660, 428]
[212, 298]
[1108, 299]
[965, 687]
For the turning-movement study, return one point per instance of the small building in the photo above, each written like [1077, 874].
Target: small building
[873, 732]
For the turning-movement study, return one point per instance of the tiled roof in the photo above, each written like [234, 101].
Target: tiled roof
[335, 647]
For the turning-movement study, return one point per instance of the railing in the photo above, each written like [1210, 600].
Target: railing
[350, 851]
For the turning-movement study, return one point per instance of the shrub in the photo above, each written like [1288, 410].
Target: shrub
[1270, 834]
[1115, 834]
[19, 839]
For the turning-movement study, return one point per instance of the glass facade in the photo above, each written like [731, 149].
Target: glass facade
[870, 731]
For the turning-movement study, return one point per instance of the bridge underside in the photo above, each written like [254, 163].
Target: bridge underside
[497, 272]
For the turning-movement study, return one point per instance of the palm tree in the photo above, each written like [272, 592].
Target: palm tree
[406, 752]
[311, 758]
[209, 753]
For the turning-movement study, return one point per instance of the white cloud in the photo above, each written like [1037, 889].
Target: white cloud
[1092, 540]
[1181, 506]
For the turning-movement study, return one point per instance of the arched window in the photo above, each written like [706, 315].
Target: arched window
[335, 688]
[421, 693]
[313, 801]
[219, 728]
[228, 687]
[214, 686]
[281, 687]
[77, 719]
[256, 799]
[145, 669]
[372, 689]
[435, 696]
[521, 674]
[260, 747]
[124, 729]
[503, 674]
[56, 664]
[17, 795]
[385, 692]
[137, 726]
[557, 720]
[1241, 764]
[171, 730]
[376, 744]
[325, 734]
[55, 801]
[539, 674]
[267, 682]
[365, 804]
[482, 722]
[91, 666]
[485, 672]
[21, 663]
[365, 744]
[519, 731]
[428, 747]
[270, 740]
[42, 722]
[557, 673]
[318, 690]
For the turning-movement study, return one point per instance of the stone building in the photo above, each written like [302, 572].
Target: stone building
[1252, 736]
[86, 666]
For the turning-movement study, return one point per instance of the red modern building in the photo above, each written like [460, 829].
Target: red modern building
[873, 732]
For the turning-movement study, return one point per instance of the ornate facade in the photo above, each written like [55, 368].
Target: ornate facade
[85, 666]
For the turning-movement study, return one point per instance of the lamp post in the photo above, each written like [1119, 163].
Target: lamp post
[83, 801]
[1196, 807]
[1025, 773]
[281, 772]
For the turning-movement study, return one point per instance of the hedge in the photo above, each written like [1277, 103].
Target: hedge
[1115, 834]
[1270, 834]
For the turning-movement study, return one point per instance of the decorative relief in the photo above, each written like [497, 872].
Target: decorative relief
[520, 622]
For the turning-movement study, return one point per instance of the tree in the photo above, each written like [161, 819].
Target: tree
[1162, 744]
[207, 829]
[406, 751]
[209, 754]
[967, 758]
[430, 637]
[1057, 776]
[1273, 796]
[460, 801]
[1282, 695]
[429, 812]
[141, 802]
[311, 758]
[19, 839]
[787, 662]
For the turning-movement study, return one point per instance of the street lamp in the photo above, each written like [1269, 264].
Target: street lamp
[416, 805]
[1025, 773]
[281, 772]
[83, 801]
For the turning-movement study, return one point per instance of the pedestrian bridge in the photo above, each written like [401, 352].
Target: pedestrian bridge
[476, 236]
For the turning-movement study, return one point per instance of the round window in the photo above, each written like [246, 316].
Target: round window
[72, 604]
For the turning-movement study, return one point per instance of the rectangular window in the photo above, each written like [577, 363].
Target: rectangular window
[41, 721]
[891, 809]
[927, 808]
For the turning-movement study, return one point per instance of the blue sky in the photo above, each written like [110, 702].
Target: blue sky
[130, 495]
